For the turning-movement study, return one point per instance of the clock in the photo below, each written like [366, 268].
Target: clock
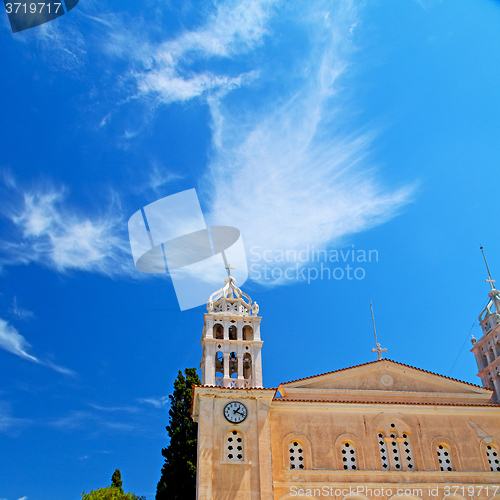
[235, 412]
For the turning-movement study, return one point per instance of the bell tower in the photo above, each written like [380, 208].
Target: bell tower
[231, 339]
[487, 348]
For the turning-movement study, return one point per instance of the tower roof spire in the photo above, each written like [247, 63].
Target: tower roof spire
[377, 349]
[230, 299]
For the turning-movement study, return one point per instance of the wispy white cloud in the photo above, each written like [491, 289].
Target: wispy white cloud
[292, 174]
[73, 420]
[119, 426]
[9, 423]
[12, 341]
[94, 421]
[282, 155]
[49, 232]
[160, 177]
[156, 402]
[60, 45]
[170, 71]
[19, 312]
[58, 368]
[121, 409]
[168, 86]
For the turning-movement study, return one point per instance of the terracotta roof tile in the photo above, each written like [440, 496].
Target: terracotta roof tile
[383, 361]
[275, 389]
[239, 388]
[384, 402]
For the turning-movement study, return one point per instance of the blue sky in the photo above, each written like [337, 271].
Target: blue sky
[337, 125]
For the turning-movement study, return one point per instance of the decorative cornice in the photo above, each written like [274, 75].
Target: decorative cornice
[382, 361]
[292, 400]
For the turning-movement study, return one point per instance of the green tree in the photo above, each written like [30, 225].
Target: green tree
[110, 493]
[113, 492]
[116, 480]
[178, 475]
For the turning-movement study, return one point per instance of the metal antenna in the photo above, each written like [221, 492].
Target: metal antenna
[490, 280]
[373, 321]
[378, 349]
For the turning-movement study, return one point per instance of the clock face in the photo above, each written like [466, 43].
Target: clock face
[235, 412]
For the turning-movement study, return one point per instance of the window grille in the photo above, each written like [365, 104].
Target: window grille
[296, 455]
[395, 452]
[349, 456]
[492, 454]
[383, 451]
[234, 447]
[444, 457]
[407, 452]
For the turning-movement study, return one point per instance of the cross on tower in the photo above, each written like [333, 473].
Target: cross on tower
[379, 350]
[228, 267]
[490, 280]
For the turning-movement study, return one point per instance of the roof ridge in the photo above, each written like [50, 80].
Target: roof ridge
[384, 402]
[382, 361]
[236, 388]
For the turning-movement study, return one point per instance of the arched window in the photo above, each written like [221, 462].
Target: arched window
[384, 457]
[296, 455]
[247, 332]
[395, 445]
[492, 455]
[349, 456]
[233, 333]
[218, 331]
[234, 446]
[444, 457]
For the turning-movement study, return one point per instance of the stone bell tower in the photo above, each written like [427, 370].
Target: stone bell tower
[487, 348]
[231, 339]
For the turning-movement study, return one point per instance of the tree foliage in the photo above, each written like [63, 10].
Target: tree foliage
[178, 475]
[116, 480]
[112, 492]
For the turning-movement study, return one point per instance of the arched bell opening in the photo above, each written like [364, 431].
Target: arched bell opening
[247, 332]
[233, 333]
[218, 331]
[233, 365]
[247, 366]
[219, 364]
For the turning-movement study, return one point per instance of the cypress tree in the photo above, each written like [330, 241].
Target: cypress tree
[116, 480]
[178, 475]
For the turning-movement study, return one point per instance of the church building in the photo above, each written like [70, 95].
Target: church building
[381, 430]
